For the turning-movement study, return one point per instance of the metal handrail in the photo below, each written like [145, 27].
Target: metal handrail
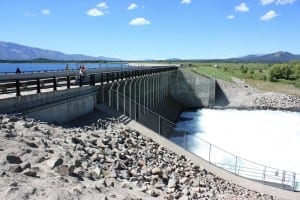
[268, 175]
[20, 83]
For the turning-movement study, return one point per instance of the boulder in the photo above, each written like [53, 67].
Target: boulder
[156, 171]
[54, 162]
[12, 159]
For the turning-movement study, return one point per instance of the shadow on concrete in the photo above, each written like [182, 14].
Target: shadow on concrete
[102, 112]
[186, 91]
[221, 98]
[169, 109]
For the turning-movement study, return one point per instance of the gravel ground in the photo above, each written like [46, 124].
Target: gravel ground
[105, 160]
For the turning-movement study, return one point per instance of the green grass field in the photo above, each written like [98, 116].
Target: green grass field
[212, 72]
[255, 74]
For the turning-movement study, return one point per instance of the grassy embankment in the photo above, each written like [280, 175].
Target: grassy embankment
[254, 74]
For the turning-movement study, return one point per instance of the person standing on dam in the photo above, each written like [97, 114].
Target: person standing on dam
[18, 71]
[82, 70]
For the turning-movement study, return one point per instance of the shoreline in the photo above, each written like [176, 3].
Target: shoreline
[296, 109]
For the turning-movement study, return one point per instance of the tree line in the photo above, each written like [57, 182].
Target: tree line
[287, 71]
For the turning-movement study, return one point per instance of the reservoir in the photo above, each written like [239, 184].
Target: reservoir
[261, 140]
[28, 67]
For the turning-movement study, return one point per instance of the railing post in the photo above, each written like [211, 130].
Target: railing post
[80, 80]
[130, 95]
[112, 77]
[109, 97]
[124, 99]
[38, 85]
[101, 79]
[54, 84]
[18, 90]
[68, 82]
[92, 80]
[144, 93]
[118, 103]
[135, 102]
[139, 106]
[107, 78]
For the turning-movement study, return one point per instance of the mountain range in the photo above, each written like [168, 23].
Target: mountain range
[280, 56]
[13, 51]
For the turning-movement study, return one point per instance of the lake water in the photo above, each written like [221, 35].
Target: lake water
[11, 67]
[271, 138]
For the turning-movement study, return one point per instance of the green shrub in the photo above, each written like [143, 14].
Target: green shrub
[280, 71]
[245, 70]
[264, 78]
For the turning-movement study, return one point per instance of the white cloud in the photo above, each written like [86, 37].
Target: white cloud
[102, 5]
[266, 2]
[186, 1]
[98, 11]
[282, 2]
[230, 17]
[45, 12]
[139, 21]
[94, 12]
[269, 15]
[132, 6]
[242, 8]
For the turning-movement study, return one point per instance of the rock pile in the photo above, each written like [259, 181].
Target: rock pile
[103, 161]
[241, 96]
[277, 101]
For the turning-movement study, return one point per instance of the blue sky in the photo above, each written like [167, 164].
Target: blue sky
[154, 29]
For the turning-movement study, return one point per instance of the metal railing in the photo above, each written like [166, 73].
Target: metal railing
[61, 67]
[37, 84]
[215, 155]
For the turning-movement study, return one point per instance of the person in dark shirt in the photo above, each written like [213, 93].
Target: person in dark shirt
[18, 71]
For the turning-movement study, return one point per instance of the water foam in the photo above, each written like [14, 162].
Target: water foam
[267, 137]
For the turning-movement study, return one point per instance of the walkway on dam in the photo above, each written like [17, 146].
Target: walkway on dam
[12, 85]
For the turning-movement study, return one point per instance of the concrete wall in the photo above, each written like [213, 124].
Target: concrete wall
[148, 91]
[183, 87]
[192, 90]
[59, 106]
[64, 111]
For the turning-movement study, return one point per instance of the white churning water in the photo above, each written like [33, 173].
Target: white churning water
[271, 138]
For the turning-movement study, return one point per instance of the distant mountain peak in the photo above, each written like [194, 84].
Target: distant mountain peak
[279, 56]
[281, 53]
[14, 51]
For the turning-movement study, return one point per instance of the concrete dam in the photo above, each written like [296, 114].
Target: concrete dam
[63, 102]
[151, 98]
